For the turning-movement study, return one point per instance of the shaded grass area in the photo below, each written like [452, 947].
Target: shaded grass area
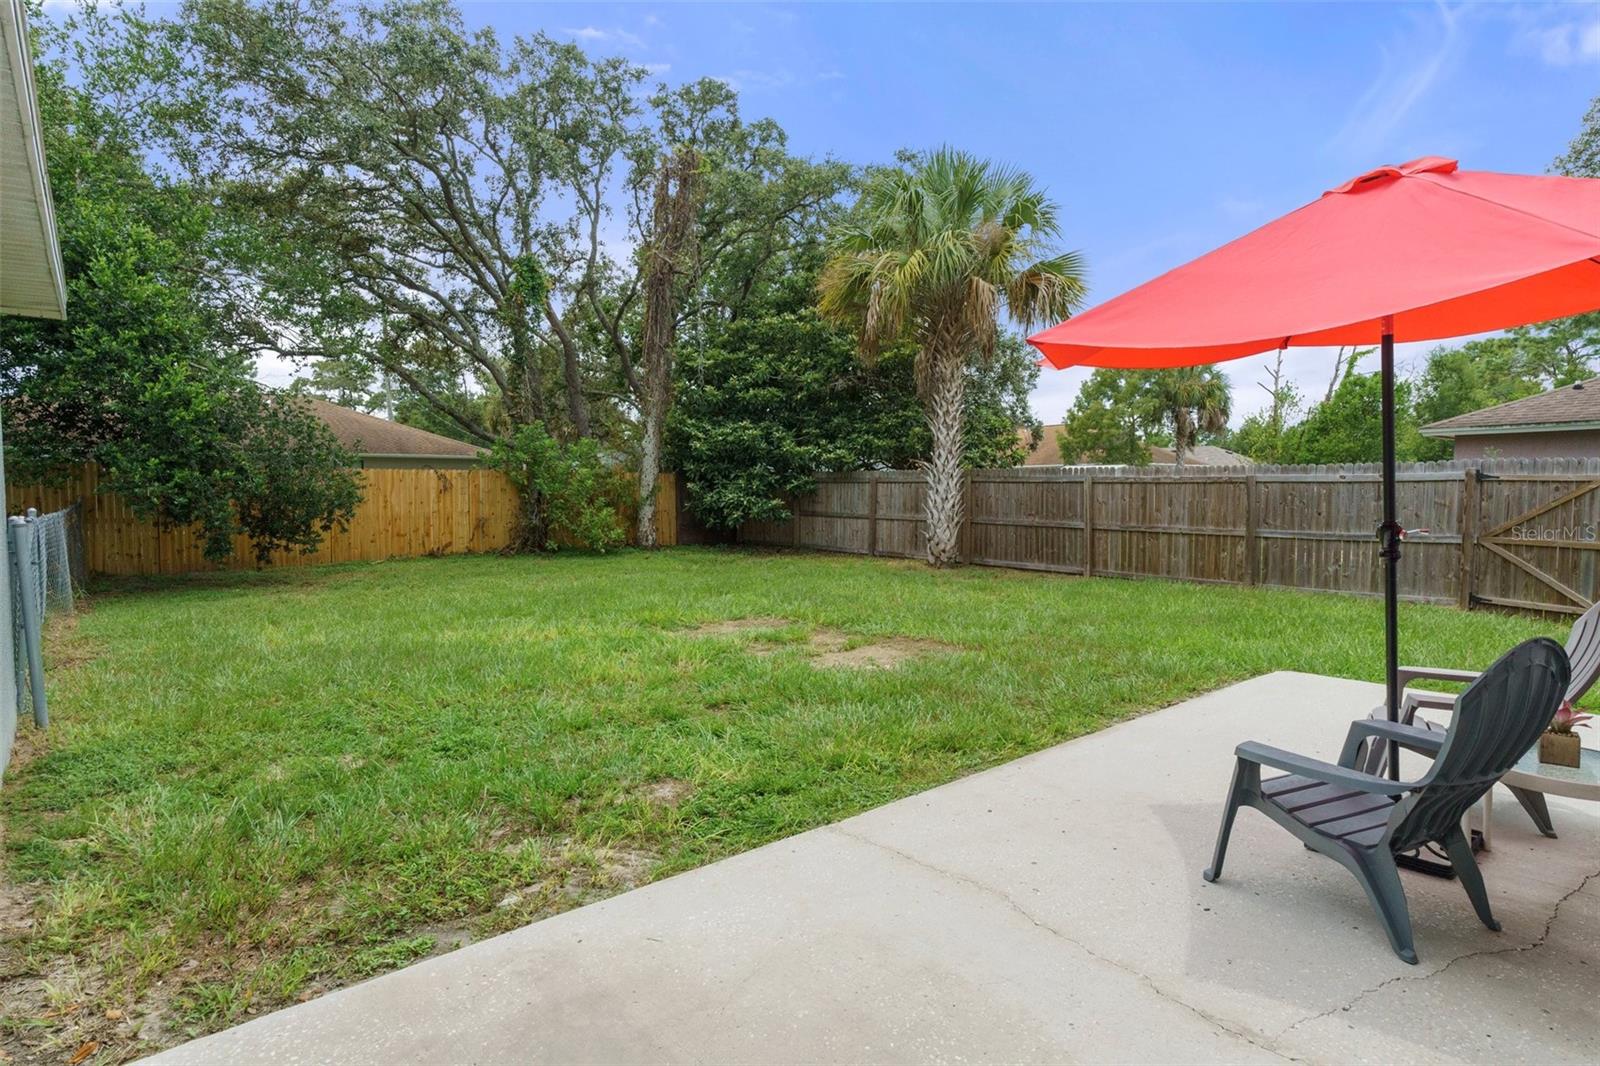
[259, 786]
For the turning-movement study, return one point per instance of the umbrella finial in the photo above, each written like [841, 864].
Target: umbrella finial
[1428, 164]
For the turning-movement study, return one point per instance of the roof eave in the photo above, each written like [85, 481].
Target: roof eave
[1439, 429]
[14, 30]
[420, 455]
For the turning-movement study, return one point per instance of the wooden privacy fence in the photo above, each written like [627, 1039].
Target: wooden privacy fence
[1515, 533]
[403, 513]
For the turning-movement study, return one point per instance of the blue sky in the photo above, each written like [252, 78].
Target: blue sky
[1163, 130]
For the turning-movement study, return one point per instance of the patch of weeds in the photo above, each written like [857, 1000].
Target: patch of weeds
[390, 956]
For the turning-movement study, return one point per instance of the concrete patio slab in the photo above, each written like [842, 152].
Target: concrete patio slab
[1050, 909]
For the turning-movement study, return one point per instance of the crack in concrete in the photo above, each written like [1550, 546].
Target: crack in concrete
[1006, 898]
[1533, 945]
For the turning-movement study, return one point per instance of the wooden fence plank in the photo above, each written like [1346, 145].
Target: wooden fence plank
[404, 512]
[1293, 527]
[1469, 536]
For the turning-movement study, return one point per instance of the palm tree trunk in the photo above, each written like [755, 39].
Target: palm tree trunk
[944, 401]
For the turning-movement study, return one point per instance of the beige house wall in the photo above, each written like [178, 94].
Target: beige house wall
[1574, 444]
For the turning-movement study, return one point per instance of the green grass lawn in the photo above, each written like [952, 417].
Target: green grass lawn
[258, 786]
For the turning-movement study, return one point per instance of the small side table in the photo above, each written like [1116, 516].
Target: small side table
[1574, 782]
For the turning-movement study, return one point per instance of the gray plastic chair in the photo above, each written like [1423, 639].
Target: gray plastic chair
[1583, 651]
[1364, 820]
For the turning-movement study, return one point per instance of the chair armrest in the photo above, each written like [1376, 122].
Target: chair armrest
[1316, 769]
[1411, 737]
[1407, 674]
[1440, 701]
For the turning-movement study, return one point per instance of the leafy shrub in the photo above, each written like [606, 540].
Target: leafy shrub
[571, 498]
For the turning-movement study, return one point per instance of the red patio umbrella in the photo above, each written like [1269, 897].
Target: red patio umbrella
[1413, 252]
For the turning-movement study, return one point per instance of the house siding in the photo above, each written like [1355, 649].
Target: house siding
[1574, 444]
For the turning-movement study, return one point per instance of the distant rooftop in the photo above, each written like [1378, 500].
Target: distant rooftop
[1570, 407]
[369, 435]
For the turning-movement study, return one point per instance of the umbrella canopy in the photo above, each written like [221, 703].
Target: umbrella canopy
[1443, 251]
[1413, 252]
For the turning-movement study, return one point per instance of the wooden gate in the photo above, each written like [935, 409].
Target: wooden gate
[1536, 539]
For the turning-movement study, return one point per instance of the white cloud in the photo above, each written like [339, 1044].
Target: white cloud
[1408, 69]
[745, 79]
[276, 371]
[596, 35]
[1562, 45]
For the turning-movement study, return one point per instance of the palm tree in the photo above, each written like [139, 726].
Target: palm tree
[932, 253]
[1193, 399]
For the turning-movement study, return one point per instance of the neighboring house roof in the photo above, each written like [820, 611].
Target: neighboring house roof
[31, 281]
[1572, 407]
[1048, 453]
[369, 435]
[1201, 455]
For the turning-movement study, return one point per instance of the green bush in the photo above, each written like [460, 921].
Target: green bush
[571, 498]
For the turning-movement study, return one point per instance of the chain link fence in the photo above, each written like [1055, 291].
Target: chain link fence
[45, 573]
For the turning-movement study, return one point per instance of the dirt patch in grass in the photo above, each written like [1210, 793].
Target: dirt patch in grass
[882, 654]
[67, 648]
[827, 647]
[667, 791]
[53, 1006]
[52, 1014]
[732, 626]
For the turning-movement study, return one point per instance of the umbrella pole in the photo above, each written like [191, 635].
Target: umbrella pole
[1390, 535]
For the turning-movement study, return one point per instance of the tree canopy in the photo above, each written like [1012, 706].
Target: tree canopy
[774, 399]
[1119, 414]
[151, 374]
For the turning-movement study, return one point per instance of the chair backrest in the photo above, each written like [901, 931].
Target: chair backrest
[1496, 720]
[1583, 649]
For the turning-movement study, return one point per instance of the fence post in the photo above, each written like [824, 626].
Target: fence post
[1251, 524]
[1088, 526]
[1470, 502]
[872, 513]
[25, 572]
[965, 535]
[794, 523]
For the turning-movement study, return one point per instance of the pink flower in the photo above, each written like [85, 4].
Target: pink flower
[1568, 718]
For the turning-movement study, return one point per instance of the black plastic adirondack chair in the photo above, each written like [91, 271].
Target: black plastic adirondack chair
[1583, 651]
[1364, 820]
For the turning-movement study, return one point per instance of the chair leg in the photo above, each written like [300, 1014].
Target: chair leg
[1533, 802]
[1381, 878]
[1246, 783]
[1466, 867]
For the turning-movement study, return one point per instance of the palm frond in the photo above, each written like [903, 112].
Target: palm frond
[932, 249]
[1048, 291]
[981, 310]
